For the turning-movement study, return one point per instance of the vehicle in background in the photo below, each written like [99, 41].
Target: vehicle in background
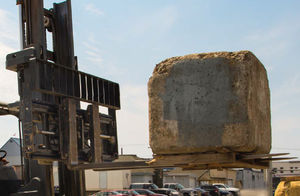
[148, 192]
[129, 192]
[225, 193]
[201, 192]
[176, 186]
[194, 192]
[166, 191]
[182, 190]
[188, 192]
[289, 185]
[149, 186]
[107, 193]
[213, 190]
[232, 190]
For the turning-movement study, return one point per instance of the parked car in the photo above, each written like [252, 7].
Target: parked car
[149, 186]
[148, 192]
[107, 193]
[180, 188]
[129, 192]
[213, 190]
[166, 191]
[225, 193]
[175, 186]
[232, 190]
[194, 192]
[202, 192]
[188, 192]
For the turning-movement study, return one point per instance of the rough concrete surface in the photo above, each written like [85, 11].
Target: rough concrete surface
[210, 102]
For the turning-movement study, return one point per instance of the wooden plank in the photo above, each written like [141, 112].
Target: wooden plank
[193, 159]
[238, 164]
[119, 165]
[187, 162]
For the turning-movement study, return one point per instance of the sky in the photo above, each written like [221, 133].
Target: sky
[122, 41]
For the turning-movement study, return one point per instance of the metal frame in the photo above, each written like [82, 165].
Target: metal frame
[54, 128]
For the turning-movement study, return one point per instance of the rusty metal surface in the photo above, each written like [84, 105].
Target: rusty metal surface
[96, 140]
[72, 133]
[45, 86]
[79, 85]
[54, 128]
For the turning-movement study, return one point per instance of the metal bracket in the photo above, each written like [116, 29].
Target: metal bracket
[16, 59]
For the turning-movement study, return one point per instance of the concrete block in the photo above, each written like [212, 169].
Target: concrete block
[210, 102]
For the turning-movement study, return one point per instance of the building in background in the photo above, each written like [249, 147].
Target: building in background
[100, 180]
[170, 175]
[225, 176]
[251, 179]
[286, 168]
[188, 178]
[283, 169]
[12, 147]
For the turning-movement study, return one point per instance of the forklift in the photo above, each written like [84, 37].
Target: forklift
[53, 126]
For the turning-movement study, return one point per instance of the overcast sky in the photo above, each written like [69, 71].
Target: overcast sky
[123, 41]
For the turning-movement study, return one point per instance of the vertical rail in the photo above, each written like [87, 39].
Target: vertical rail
[112, 113]
[70, 182]
[96, 131]
[33, 34]
[72, 136]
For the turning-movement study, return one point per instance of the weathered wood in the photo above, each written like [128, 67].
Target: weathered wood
[238, 164]
[193, 159]
[115, 166]
[187, 162]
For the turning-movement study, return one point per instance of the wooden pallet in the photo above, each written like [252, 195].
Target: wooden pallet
[218, 160]
[195, 161]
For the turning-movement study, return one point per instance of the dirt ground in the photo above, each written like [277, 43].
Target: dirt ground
[254, 193]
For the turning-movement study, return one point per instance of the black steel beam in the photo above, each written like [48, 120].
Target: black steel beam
[51, 88]
[33, 35]
[70, 182]
[95, 130]
[79, 85]
[61, 80]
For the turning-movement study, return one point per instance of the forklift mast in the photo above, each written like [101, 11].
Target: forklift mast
[54, 126]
